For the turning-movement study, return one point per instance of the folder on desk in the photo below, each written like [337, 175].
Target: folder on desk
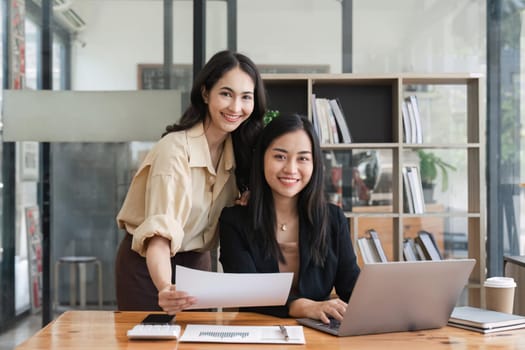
[484, 321]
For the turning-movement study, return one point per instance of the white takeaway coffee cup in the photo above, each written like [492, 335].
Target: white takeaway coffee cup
[499, 294]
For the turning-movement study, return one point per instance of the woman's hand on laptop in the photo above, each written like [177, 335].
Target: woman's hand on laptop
[319, 310]
[172, 301]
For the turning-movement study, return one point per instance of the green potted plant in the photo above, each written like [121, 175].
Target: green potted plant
[429, 166]
[270, 115]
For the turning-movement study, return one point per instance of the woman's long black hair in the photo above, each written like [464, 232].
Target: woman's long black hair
[246, 134]
[312, 206]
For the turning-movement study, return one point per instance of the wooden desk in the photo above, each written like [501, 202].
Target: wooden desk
[107, 330]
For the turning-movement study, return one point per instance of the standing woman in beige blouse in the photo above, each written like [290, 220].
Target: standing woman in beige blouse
[200, 165]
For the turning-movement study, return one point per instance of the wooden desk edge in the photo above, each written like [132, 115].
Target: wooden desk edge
[107, 330]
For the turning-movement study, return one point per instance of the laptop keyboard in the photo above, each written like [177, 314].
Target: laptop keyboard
[334, 324]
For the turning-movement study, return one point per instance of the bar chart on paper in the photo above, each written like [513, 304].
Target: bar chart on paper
[243, 334]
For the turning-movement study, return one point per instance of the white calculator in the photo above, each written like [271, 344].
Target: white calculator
[155, 326]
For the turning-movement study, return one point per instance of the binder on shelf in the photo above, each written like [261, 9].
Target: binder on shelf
[365, 250]
[428, 244]
[324, 121]
[409, 250]
[341, 120]
[315, 119]
[417, 118]
[334, 132]
[371, 248]
[376, 243]
[414, 118]
[408, 203]
[406, 123]
[419, 250]
[417, 189]
[414, 190]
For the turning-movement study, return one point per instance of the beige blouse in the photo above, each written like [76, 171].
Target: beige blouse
[177, 194]
[290, 252]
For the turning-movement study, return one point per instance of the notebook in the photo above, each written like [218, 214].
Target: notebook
[484, 321]
[401, 296]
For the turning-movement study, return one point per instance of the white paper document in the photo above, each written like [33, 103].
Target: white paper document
[216, 289]
[242, 334]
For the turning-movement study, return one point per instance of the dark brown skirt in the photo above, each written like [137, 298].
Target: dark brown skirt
[134, 287]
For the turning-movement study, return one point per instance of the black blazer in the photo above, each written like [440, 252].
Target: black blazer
[240, 253]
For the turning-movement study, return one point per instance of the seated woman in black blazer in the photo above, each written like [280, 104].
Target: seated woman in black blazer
[288, 226]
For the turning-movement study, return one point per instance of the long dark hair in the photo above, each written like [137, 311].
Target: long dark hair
[246, 134]
[311, 204]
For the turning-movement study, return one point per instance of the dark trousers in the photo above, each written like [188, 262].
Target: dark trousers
[134, 286]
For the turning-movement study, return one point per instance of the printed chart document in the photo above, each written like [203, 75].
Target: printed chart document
[243, 334]
[214, 289]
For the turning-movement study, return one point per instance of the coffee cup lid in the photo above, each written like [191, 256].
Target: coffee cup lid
[500, 282]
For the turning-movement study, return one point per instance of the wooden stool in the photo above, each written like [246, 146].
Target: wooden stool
[80, 262]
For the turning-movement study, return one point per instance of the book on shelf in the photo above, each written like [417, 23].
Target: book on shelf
[330, 121]
[406, 122]
[408, 202]
[324, 121]
[429, 246]
[413, 188]
[409, 250]
[365, 250]
[417, 118]
[315, 119]
[371, 248]
[376, 243]
[334, 132]
[337, 109]
[419, 250]
[484, 321]
[412, 120]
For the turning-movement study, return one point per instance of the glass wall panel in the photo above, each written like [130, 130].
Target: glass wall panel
[1, 166]
[506, 117]
[425, 36]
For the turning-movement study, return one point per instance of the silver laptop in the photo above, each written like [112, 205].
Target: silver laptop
[401, 296]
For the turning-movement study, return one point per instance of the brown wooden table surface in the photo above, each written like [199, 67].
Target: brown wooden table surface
[107, 330]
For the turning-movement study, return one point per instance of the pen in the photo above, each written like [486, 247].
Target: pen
[284, 332]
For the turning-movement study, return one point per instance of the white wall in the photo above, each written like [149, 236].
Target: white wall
[389, 36]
